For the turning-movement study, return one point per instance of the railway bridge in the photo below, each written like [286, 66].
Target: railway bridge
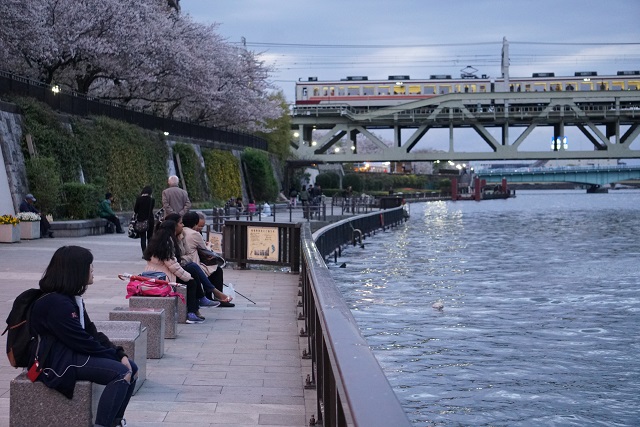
[609, 120]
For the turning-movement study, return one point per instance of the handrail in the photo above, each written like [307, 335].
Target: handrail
[351, 388]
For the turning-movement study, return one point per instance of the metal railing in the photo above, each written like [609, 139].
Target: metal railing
[83, 105]
[351, 388]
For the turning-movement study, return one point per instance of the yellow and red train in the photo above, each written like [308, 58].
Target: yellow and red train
[358, 91]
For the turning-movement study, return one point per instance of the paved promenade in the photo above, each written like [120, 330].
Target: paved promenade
[242, 367]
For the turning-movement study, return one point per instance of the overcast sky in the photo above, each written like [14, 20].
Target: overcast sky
[423, 37]
[332, 39]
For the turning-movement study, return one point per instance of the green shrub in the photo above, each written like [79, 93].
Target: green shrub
[50, 138]
[44, 183]
[261, 179]
[81, 200]
[223, 173]
[328, 180]
[354, 180]
[122, 159]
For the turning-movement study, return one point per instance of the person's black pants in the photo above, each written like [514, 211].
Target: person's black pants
[114, 219]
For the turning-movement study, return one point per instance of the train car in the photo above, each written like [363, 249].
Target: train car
[359, 91]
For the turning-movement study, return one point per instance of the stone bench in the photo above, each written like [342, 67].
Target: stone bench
[83, 227]
[131, 336]
[151, 318]
[35, 404]
[175, 310]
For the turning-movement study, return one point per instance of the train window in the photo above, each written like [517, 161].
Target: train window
[617, 86]
[633, 85]
[399, 90]
[539, 87]
[429, 90]
[341, 91]
[316, 91]
[383, 90]
[304, 93]
[325, 91]
[570, 86]
[444, 89]
[585, 85]
[353, 90]
[414, 90]
[368, 90]
[527, 88]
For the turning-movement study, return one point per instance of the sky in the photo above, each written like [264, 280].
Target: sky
[332, 39]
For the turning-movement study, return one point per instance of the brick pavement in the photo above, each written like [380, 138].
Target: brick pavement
[242, 367]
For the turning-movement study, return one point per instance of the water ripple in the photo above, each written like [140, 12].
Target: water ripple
[540, 322]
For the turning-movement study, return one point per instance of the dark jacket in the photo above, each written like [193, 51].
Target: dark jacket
[28, 207]
[144, 208]
[55, 317]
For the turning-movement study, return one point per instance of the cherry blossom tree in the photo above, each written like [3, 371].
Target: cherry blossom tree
[143, 53]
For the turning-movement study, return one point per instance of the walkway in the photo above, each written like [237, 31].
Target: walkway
[242, 367]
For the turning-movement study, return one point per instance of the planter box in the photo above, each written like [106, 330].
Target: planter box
[9, 233]
[29, 230]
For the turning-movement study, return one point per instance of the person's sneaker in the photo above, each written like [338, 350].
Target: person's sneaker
[193, 318]
[199, 315]
[206, 302]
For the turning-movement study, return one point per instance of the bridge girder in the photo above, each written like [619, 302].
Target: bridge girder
[588, 176]
[477, 111]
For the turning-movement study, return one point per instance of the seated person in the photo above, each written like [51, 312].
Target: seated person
[193, 240]
[28, 205]
[161, 256]
[71, 349]
[213, 295]
[105, 211]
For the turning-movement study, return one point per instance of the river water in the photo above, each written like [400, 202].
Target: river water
[541, 314]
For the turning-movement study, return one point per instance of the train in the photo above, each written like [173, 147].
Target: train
[358, 91]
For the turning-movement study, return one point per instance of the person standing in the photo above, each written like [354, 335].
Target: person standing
[144, 212]
[71, 348]
[175, 199]
[105, 211]
[28, 205]
[293, 197]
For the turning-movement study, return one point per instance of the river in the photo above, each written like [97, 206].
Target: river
[541, 316]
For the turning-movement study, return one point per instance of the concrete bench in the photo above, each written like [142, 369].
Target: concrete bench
[175, 310]
[151, 318]
[131, 336]
[35, 404]
[83, 227]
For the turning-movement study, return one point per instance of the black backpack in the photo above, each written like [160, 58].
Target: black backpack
[20, 339]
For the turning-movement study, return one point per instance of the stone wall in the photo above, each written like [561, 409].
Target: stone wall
[13, 175]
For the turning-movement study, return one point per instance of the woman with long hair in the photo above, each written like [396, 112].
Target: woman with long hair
[144, 212]
[161, 256]
[206, 290]
[70, 348]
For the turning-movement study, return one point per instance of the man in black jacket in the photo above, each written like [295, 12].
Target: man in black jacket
[28, 205]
